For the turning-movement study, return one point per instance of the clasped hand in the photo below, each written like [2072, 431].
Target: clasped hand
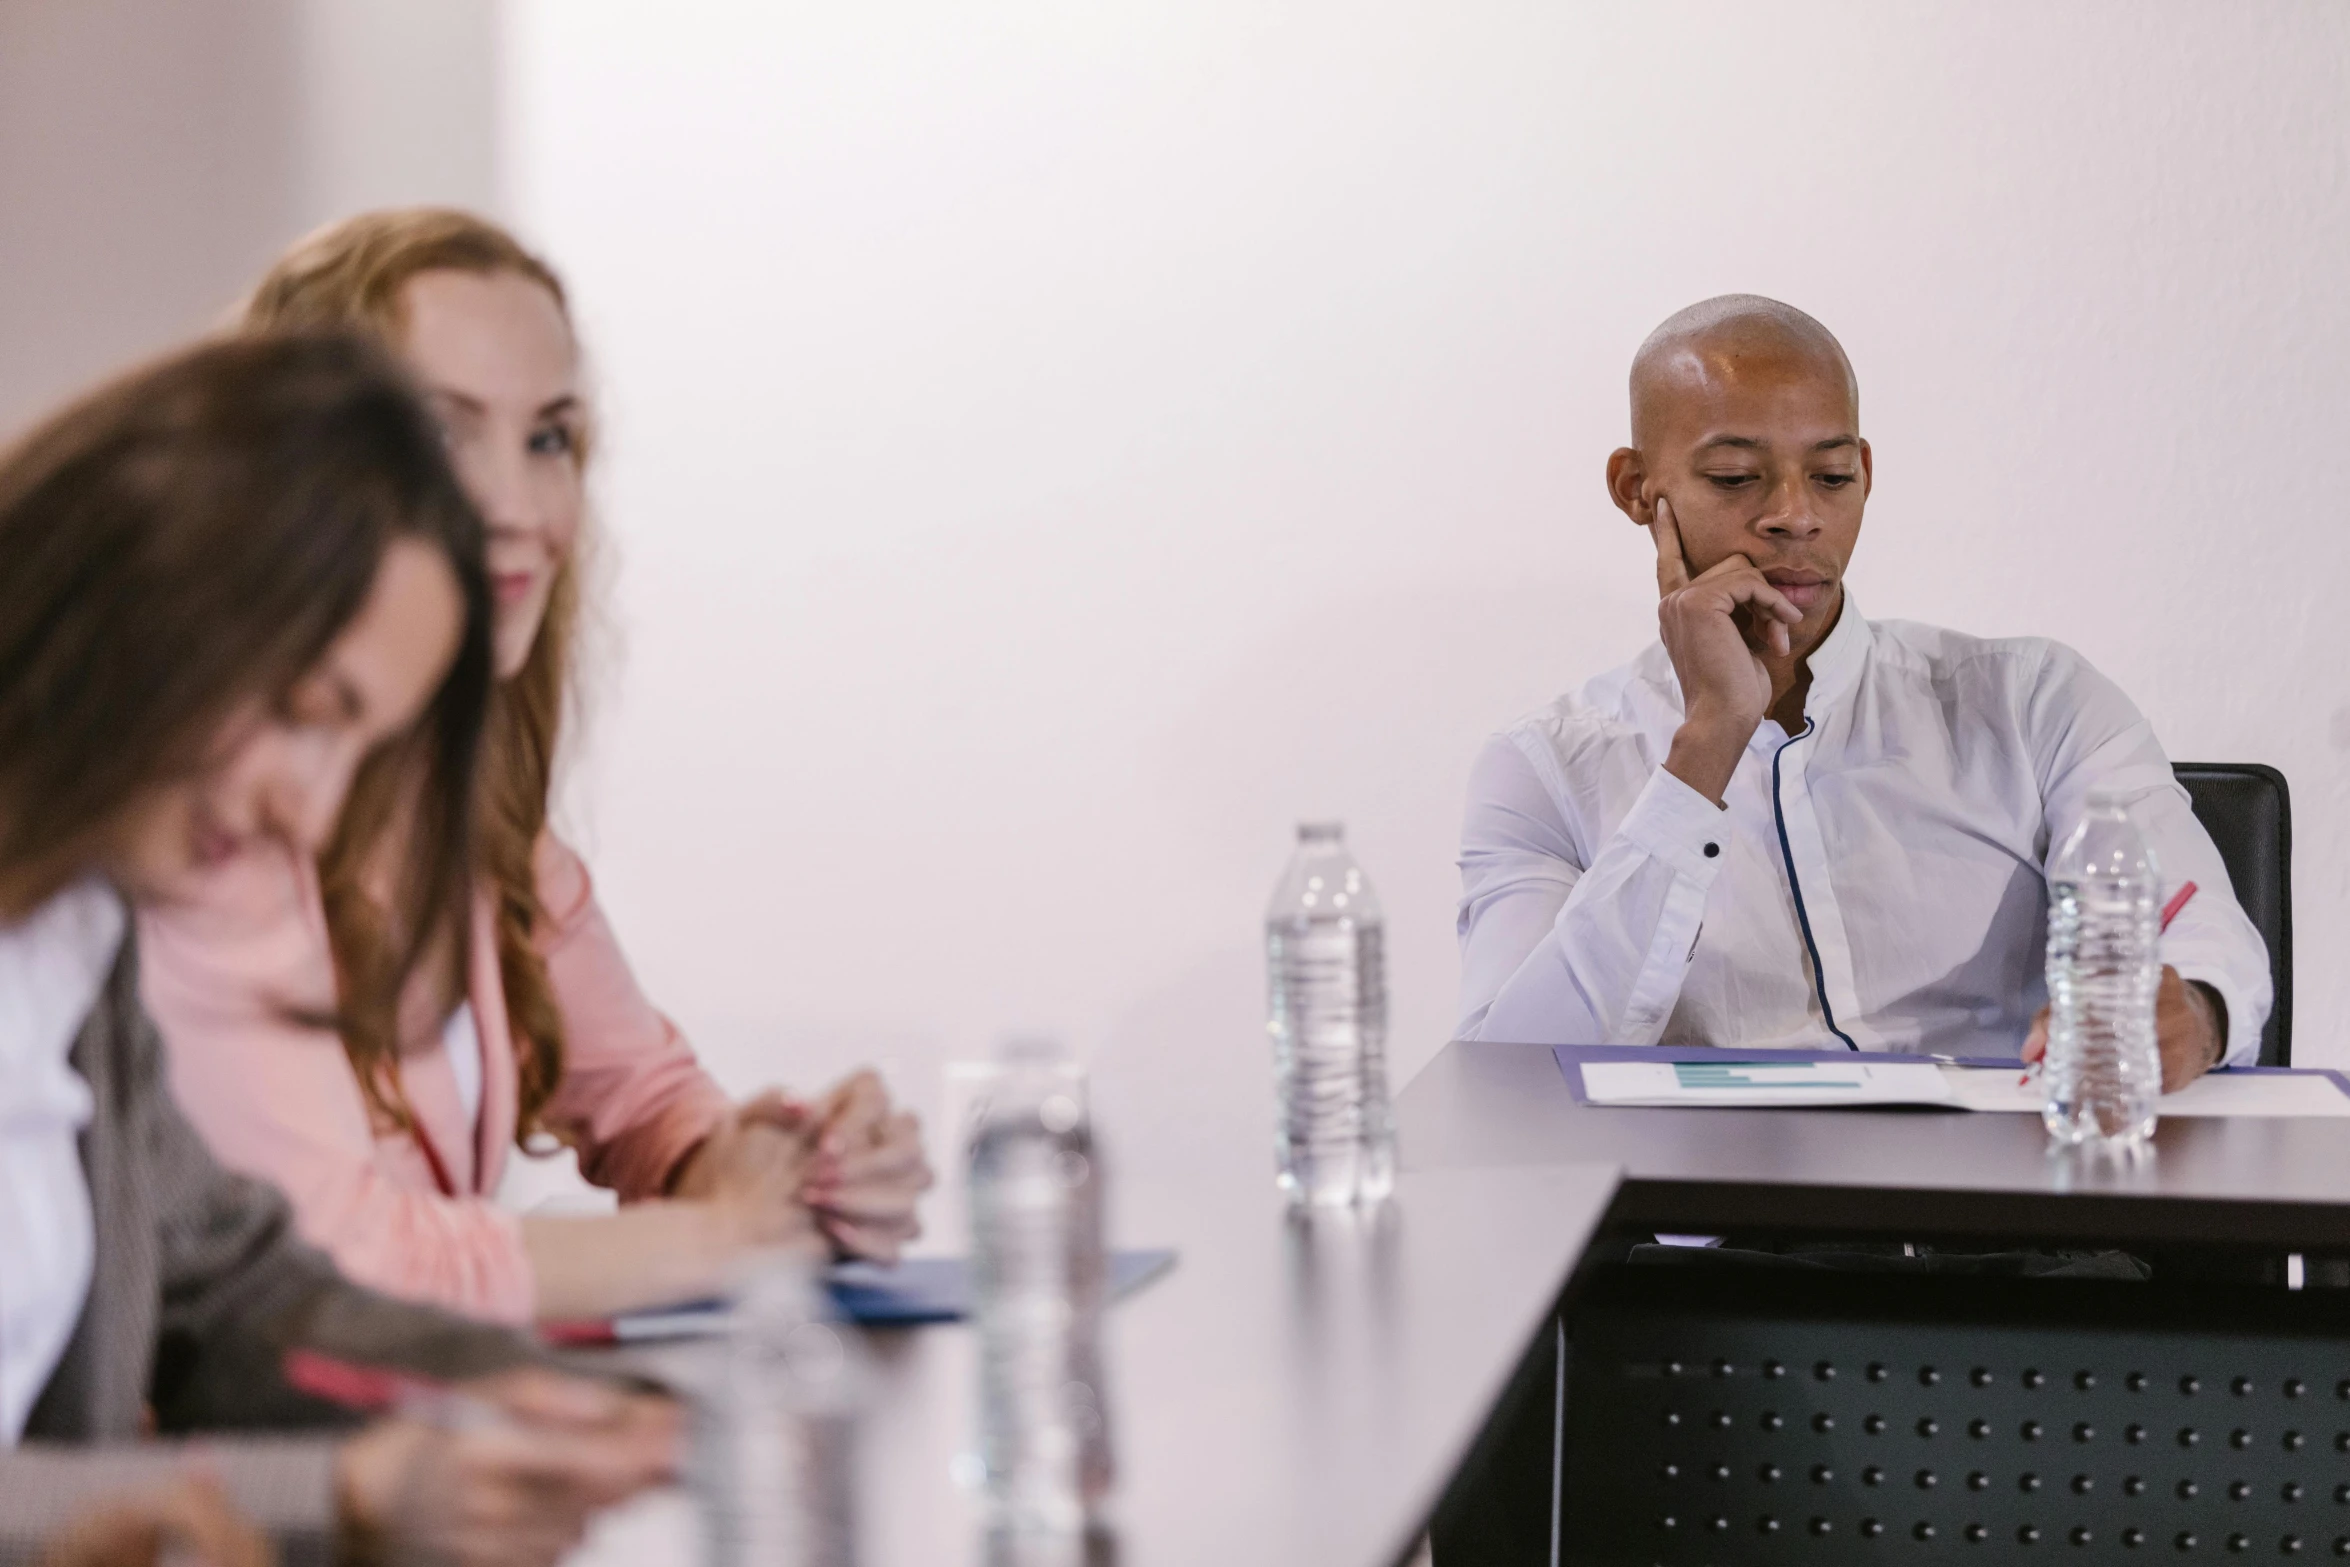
[846, 1166]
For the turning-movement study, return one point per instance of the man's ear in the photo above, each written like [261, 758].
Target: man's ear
[1868, 470]
[1627, 481]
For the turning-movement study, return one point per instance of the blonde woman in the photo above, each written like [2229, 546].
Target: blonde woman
[392, 1141]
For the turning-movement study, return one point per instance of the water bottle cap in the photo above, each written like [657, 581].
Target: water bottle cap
[2109, 800]
[1320, 832]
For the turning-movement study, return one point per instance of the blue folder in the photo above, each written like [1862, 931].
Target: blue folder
[915, 1291]
[938, 1289]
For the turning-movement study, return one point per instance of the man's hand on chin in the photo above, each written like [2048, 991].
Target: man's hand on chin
[2190, 1027]
[1704, 622]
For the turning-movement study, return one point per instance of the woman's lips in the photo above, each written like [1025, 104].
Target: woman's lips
[512, 587]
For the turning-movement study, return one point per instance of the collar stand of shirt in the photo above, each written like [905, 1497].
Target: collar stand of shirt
[1835, 669]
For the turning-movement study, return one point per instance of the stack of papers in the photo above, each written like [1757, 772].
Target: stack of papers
[1882, 1081]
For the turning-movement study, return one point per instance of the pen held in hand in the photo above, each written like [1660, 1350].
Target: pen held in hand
[375, 1391]
[2170, 911]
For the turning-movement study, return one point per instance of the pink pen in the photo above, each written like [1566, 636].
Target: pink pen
[2170, 911]
[375, 1391]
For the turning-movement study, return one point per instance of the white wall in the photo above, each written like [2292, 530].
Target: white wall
[147, 163]
[155, 158]
[1055, 446]
[398, 103]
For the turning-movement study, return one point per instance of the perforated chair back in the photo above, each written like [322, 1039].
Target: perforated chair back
[2249, 814]
[1820, 1419]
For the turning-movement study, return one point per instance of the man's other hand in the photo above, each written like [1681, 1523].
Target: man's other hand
[1715, 627]
[2190, 1027]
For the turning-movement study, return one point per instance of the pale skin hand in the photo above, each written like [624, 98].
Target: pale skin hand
[2189, 1028]
[843, 1174]
[1716, 626]
[869, 1171]
[189, 1521]
[648, 1254]
[517, 1494]
[754, 1165]
[865, 1171]
[739, 1192]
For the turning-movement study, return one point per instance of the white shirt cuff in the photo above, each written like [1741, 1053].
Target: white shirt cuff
[1676, 824]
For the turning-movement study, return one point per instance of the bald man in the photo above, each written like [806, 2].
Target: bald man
[1785, 825]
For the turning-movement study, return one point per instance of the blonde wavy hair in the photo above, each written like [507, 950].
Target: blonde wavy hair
[351, 275]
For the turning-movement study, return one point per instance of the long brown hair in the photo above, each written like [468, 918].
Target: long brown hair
[351, 275]
[191, 538]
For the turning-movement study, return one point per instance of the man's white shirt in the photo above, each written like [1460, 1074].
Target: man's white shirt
[52, 968]
[1876, 880]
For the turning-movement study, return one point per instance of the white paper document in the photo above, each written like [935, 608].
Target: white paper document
[1896, 1081]
[2219, 1093]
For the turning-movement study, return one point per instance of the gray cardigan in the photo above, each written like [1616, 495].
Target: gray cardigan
[200, 1286]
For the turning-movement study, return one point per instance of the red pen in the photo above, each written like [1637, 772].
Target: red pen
[375, 1391]
[2170, 911]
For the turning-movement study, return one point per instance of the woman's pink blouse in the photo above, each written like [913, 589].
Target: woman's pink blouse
[278, 1099]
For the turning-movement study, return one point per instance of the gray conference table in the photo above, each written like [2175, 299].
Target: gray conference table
[1290, 1392]
[1304, 1391]
[2282, 1184]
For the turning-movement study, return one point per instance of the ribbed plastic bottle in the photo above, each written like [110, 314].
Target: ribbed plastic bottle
[774, 1437]
[1038, 1278]
[2103, 1076]
[1334, 1136]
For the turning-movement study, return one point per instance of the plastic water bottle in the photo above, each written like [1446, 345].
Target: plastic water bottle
[1038, 1276]
[775, 1438]
[1334, 1140]
[2104, 1070]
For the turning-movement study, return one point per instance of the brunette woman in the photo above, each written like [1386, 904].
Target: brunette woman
[393, 1147]
[227, 580]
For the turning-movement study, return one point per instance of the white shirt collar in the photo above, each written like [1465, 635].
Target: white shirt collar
[1836, 663]
[1836, 666]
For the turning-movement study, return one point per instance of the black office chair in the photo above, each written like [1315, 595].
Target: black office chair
[2249, 814]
